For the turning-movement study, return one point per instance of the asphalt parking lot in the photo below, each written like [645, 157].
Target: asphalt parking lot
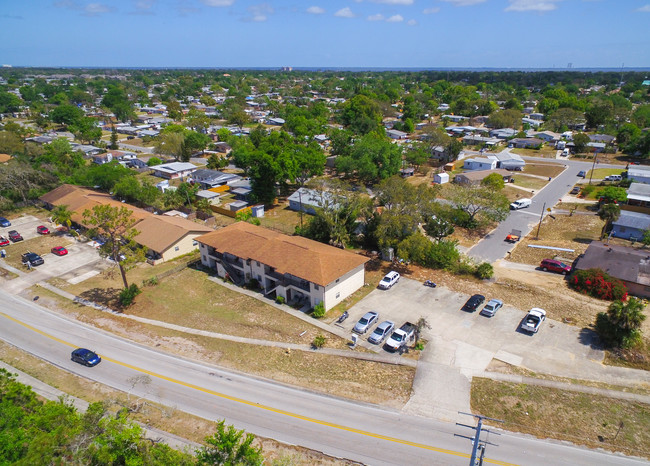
[476, 339]
[25, 225]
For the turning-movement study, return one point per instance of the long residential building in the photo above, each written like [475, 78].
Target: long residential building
[292, 267]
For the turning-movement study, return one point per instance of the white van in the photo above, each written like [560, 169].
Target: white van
[520, 204]
[613, 178]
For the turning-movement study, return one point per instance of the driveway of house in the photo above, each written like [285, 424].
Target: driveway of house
[461, 345]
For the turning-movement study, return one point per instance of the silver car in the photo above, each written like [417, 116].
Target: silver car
[492, 307]
[367, 321]
[381, 332]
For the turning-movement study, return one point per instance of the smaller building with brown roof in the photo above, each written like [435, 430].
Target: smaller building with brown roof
[296, 268]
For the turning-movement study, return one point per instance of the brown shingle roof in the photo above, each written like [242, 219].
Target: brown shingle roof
[157, 232]
[301, 257]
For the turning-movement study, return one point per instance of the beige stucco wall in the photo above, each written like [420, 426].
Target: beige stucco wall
[183, 246]
[347, 284]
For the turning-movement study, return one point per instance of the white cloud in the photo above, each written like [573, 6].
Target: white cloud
[217, 3]
[315, 10]
[395, 19]
[143, 7]
[644, 9]
[394, 2]
[94, 9]
[345, 13]
[464, 2]
[430, 11]
[412, 22]
[532, 5]
[259, 13]
[377, 17]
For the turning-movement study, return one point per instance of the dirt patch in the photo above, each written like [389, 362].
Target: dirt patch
[564, 231]
[544, 169]
[581, 418]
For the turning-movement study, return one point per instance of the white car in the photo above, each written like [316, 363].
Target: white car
[389, 280]
[533, 320]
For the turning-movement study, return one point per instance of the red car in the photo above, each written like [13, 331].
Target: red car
[59, 251]
[43, 230]
[3, 241]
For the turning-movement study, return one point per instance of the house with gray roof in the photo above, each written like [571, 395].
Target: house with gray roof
[509, 161]
[479, 163]
[638, 194]
[212, 178]
[630, 225]
[639, 173]
[173, 170]
[503, 133]
[308, 200]
[631, 266]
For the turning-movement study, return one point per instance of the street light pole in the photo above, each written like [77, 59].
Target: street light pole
[591, 173]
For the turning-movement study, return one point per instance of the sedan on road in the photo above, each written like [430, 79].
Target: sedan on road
[381, 332]
[86, 357]
[474, 302]
[42, 230]
[367, 321]
[59, 251]
[15, 236]
[4, 222]
[492, 307]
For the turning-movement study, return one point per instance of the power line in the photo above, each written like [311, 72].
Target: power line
[478, 445]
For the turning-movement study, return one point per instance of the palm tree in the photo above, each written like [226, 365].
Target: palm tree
[627, 315]
[610, 213]
[62, 215]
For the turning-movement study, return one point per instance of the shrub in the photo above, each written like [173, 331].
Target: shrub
[588, 189]
[319, 311]
[279, 299]
[464, 267]
[319, 341]
[598, 284]
[253, 284]
[419, 346]
[127, 295]
[484, 271]
[620, 326]
[153, 281]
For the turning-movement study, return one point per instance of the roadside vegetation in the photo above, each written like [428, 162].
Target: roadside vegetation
[581, 418]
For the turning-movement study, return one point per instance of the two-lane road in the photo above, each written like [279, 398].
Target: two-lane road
[362, 432]
[493, 246]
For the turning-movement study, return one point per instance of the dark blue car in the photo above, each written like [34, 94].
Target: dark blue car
[86, 357]
[4, 222]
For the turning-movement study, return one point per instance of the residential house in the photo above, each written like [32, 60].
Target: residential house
[275, 121]
[606, 138]
[476, 176]
[475, 139]
[101, 159]
[638, 195]
[138, 163]
[631, 266]
[292, 267]
[308, 200]
[87, 149]
[164, 237]
[480, 163]
[639, 173]
[173, 170]
[210, 196]
[536, 116]
[395, 134]
[455, 118]
[212, 178]
[531, 122]
[525, 143]
[503, 133]
[509, 161]
[548, 136]
[630, 225]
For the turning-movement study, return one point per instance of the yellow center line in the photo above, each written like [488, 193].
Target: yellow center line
[264, 407]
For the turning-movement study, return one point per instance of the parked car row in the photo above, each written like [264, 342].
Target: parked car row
[395, 338]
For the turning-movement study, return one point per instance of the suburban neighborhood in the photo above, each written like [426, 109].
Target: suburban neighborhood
[430, 244]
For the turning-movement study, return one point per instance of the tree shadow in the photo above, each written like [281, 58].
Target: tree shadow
[589, 337]
[104, 296]
[582, 240]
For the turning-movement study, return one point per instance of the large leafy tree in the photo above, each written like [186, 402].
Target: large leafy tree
[481, 204]
[116, 226]
[66, 114]
[361, 114]
[372, 158]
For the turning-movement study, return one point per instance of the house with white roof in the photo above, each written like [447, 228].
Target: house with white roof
[173, 170]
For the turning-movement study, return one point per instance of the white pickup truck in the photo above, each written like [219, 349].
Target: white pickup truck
[533, 320]
[401, 337]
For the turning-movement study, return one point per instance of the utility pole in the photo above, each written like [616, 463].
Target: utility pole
[541, 217]
[591, 173]
[477, 444]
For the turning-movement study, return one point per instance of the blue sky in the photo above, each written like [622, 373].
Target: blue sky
[326, 33]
